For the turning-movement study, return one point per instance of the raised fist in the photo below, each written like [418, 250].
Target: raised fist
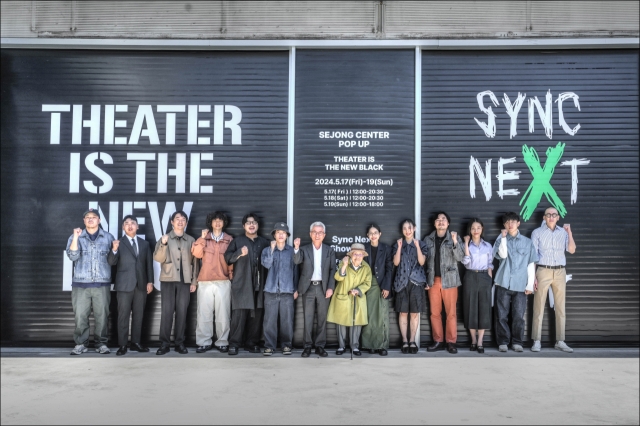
[504, 233]
[77, 232]
[296, 243]
[204, 232]
[273, 245]
[417, 243]
[245, 251]
[165, 238]
[345, 260]
[115, 245]
[567, 227]
[467, 239]
[399, 243]
[454, 237]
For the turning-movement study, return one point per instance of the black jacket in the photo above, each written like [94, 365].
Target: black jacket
[247, 285]
[304, 256]
[132, 271]
[383, 269]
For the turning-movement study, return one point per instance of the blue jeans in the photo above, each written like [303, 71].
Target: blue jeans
[516, 302]
[278, 304]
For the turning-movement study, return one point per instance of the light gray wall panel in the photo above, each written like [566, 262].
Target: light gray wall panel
[584, 16]
[255, 20]
[16, 19]
[454, 19]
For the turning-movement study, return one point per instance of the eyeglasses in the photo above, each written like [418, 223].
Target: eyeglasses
[317, 232]
[552, 215]
[441, 220]
[357, 255]
[251, 222]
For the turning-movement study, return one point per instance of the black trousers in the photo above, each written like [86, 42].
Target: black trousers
[315, 302]
[245, 330]
[175, 297]
[130, 306]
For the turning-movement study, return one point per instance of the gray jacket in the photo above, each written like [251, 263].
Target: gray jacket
[449, 258]
[90, 263]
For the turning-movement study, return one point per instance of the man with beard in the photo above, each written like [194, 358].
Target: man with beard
[247, 287]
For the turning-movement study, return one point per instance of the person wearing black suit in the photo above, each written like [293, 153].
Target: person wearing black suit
[316, 285]
[375, 335]
[134, 260]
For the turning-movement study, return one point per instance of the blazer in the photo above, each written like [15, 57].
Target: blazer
[132, 271]
[304, 256]
[383, 269]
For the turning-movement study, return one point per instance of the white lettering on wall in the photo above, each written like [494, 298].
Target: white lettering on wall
[489, 129]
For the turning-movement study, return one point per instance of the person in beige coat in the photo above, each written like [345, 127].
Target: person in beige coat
[353, 280]
[178, 279]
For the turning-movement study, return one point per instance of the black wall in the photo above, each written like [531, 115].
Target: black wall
[39, 213]
[602, 297]
[354, 91]
[336, 90]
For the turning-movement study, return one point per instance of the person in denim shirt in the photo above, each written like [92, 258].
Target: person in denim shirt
[280, 290]
[88, 250]
[409, 256]
[515, 279]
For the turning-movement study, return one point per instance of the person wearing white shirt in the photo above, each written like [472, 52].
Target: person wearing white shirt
[316, 286]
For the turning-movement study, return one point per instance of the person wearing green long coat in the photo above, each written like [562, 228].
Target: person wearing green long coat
[348, 307]
[375, 335]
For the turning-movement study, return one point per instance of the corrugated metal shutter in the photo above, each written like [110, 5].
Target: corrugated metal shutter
[16, 19]
[211, 19]
[436, 19]
[602, 299]
[354, 90]
[459, 18]
[292, 19]
[38, 211]
[587, 16]
[148, 19]
[319, 19]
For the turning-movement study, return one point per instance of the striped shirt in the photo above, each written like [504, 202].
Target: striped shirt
[550, 245]
[218, 238]
[480, 257]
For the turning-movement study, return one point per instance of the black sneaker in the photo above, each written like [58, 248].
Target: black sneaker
[267, 352]
[233, 350]
[223, 349]
[286, 350]
[203, 349]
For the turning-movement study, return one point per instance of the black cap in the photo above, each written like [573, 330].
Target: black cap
[91, 210]
[280, 226]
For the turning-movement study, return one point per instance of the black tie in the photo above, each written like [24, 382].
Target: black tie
[135, 247]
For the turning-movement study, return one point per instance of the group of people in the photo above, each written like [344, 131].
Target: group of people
[247, 286]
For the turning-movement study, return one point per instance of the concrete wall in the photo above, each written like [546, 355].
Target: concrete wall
[319, 19]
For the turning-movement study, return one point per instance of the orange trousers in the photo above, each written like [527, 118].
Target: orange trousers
[438, 296]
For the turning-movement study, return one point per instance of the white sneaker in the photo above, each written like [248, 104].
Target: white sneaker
[79, 350]
[536, 346]
[503, 348]
[103, 350]
[562, 346]
[517, 348]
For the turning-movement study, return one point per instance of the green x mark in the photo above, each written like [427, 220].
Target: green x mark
[541, 183]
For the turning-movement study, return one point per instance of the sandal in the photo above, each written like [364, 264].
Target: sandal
[405, 347]
[413, 348]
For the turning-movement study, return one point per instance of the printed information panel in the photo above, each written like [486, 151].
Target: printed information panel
[354, 143]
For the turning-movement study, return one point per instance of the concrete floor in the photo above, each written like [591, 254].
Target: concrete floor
[591, 386]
